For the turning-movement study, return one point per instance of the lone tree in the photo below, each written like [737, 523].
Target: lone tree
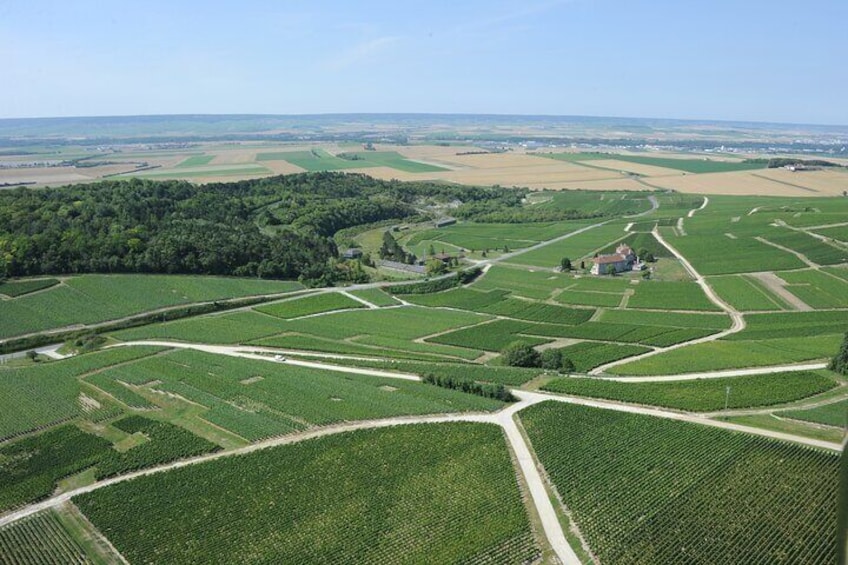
[839, 363]
[519, 354]
[565, 264]
[567, 365]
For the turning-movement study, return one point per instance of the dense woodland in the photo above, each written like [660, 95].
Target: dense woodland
[278, 227]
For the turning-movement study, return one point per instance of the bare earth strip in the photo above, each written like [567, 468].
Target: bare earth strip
[778, 286]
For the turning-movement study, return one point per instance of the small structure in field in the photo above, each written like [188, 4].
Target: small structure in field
[352, 253]
[447, 257]
[444, 222]
[624, 259]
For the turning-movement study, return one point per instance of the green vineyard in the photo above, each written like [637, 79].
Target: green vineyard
[648, 490]
[407, 494]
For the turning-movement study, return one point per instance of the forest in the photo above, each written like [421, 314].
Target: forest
[277, 227]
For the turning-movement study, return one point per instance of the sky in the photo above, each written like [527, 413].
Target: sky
[742, 60]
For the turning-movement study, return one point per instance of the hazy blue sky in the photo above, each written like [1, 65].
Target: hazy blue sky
[724, 59]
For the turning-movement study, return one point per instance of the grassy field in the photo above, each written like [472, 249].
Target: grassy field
[670, 295]
[315, 304]
[834, 414]
[13, 289]
[703, 395]
[439, 494]
[257, 399]
[817, 289]
[649, 490]
[719, 355]
[746, 293]
[88, 299]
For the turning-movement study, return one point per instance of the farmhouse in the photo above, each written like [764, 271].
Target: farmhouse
[624, 259]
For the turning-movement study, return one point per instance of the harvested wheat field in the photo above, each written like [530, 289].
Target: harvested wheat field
[735, 183]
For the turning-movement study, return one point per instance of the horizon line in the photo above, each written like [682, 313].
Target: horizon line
[419, 114]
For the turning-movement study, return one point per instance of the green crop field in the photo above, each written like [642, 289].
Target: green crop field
[719, 255]
[376, 297]
[490, 337]
[408, 494]
[839, 233]
[675, 319]
[13, 289]
[588, 355]
[257, 399]
[539, 285]
[41, 395]
[627, 333]
[719, 355]
[234, 327]
[690, 165]
[649, 490]
[480, 236]
[314, 160]
[39, 539]
[196, 161]
[400, 349]
[746, 293]
[391, 159]
[814, 249]
[313, 304]
[833, 414]
[88, 299]
[596, 299]
[704, 394]
[404, 323]
[671, 296]
[817, 289]
[792, 324]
